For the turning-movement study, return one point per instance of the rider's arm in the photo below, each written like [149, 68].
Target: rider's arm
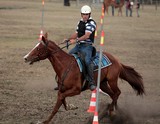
[73, 37]
[84, 37]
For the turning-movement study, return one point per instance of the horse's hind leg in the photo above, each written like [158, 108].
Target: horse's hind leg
[117, 92]
[112, 90]
[105, 87]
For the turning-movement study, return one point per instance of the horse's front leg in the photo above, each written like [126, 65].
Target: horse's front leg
[68, 93]
[56, 108]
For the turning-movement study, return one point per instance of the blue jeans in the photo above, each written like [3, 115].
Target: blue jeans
[130, 9]
[126, 12]
[112, 10]
[86, 50]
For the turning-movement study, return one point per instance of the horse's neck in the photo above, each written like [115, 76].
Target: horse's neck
[60, 60]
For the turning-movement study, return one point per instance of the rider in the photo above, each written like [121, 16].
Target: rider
[84, 38]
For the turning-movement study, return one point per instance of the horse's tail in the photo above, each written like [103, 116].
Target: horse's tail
[133, 78]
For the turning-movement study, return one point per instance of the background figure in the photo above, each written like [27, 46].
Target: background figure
[137, 8]
[112, 6]
[120, 11]
[131, 7]
[127, 7]
[66, 3]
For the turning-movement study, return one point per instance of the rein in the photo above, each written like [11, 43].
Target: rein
[65, 75]
[66, 46]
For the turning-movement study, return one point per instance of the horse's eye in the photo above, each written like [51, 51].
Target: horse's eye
[37, 49]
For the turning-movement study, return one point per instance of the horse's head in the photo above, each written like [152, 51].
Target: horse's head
[39, 52]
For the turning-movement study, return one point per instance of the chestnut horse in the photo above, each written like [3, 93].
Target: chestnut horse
[70, 78]
[114, 3]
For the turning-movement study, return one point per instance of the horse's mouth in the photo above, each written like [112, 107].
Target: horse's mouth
[31, 60]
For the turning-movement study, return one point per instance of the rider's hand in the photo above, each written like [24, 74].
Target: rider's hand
[72, 41]
[65, 41]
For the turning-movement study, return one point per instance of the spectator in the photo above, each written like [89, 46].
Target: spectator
[66, 3]
[137, 8]
[112, 10]
[127, 7]
[131, 8]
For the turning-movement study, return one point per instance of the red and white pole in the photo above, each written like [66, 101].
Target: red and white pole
[95, 119]
[41, 32]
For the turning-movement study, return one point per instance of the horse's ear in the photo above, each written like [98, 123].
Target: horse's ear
[44, 40]
[46, 35]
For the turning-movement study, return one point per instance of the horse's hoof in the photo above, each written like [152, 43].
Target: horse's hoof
[45, 122]
[71, 107]
[39, 122]
[112, 113]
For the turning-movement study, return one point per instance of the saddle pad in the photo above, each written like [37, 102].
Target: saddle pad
[78, 61]
[105, 62]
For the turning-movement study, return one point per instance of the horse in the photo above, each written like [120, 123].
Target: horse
[114, 3]
[70, 78]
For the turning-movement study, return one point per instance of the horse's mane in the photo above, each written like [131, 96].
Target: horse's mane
[58, 48]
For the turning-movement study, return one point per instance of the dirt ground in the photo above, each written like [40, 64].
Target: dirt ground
[27, 92]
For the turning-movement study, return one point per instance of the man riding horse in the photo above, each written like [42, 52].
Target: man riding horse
[84, 36]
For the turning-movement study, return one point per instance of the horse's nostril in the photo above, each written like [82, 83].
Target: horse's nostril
[25, 58]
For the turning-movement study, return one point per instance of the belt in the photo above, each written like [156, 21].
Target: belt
[84, 42]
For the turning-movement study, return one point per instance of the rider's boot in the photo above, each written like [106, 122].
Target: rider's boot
[90, 69]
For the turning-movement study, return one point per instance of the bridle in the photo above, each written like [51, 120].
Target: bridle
[38, 58]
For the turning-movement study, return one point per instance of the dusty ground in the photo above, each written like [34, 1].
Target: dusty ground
[26, 92]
